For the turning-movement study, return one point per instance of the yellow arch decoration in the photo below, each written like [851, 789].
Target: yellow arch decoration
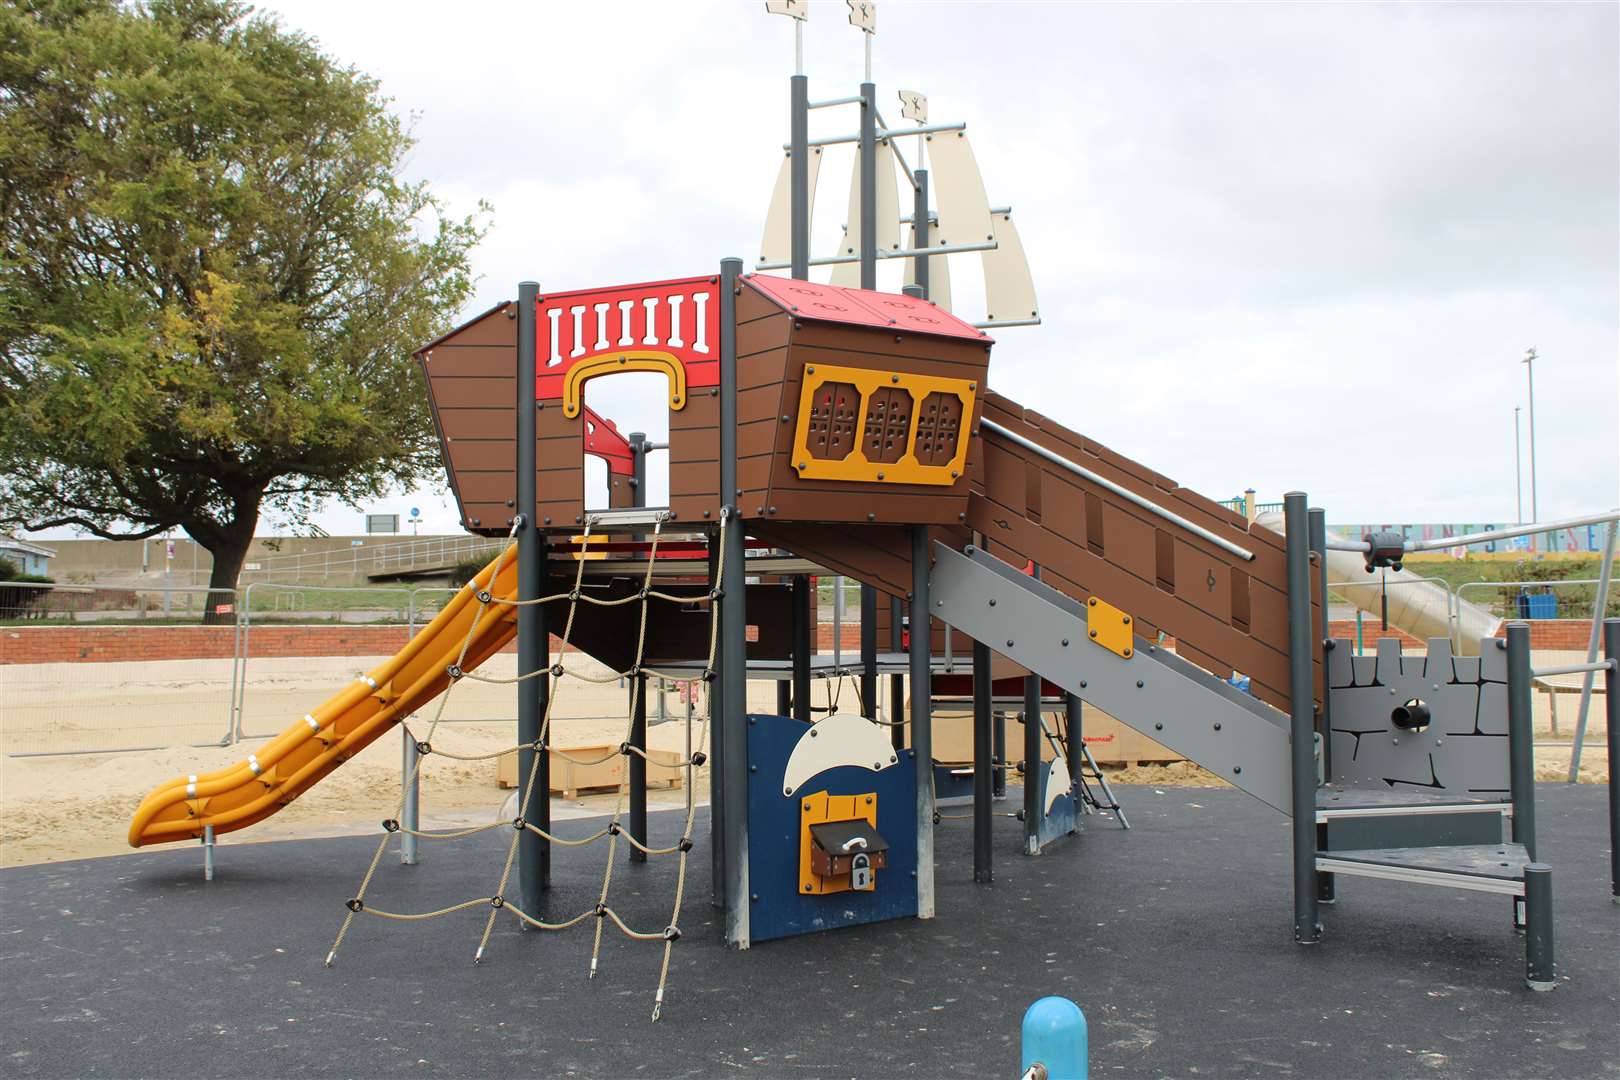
[631, 360]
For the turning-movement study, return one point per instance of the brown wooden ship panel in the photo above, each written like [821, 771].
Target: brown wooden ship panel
[854, 406]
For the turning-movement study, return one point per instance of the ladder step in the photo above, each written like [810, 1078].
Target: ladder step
[1495, 868]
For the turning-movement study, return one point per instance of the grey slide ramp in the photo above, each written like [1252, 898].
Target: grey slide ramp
[1194, 712]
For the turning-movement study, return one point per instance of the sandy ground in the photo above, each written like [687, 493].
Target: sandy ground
[66, 807]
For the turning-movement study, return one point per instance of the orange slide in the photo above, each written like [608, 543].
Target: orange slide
[294, 761]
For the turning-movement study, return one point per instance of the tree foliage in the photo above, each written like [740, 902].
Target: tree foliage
[212, 275]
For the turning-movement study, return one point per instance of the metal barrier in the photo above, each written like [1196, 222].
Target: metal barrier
[69, 700]
[356, 562]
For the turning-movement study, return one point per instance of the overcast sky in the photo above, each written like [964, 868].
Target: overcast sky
[1276, 245]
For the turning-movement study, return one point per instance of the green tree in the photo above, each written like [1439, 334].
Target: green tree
[212, 275]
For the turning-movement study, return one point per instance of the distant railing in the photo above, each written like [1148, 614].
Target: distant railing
[428, 553]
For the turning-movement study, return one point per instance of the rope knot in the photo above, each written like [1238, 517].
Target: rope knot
[484, 596]
[624, 748]
[557, 670]
[685, 844]
[601, 911]
[424, 748]
[454, 671]
[355, 904]
[717, 594]
[497, 901]
[708, 674]
[390, 825]
[613, 828]
[672, 933]
[699, 757]
[517, 822]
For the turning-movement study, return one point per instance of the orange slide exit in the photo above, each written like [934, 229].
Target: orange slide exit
[287, 766]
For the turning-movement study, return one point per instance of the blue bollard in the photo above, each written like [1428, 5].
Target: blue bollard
[1055, 1038]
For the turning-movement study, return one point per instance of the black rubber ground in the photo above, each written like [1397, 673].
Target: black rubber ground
[1175, 938]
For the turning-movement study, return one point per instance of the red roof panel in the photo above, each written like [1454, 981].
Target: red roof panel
[862, 307]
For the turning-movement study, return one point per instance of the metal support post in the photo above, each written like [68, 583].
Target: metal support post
[636, 767]
[1034, 809]
[533, 646]
[1521, 752]
[1611, 683]
[1539, 972]
[717, 751]
[919, 229]
[410, 816]
[804, 612]
[637, 770]
[868, 182]
[208, 852]
[922, 735]
[784, 697]
[1074, 724]
[1317, 525]
[869, 704]
[734, 627]
[1599, 609]
[897, 682]
[982, 749]
[1302, 726]
[998, 750]
[799, 177]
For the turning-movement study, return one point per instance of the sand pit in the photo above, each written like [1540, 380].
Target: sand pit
[78, 806]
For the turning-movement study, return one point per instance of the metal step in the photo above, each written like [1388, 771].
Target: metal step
[1336, 802]
[626, 517]
[1493, 868]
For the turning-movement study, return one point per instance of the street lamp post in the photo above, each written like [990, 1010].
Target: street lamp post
[1518, 472]
[1530, 375]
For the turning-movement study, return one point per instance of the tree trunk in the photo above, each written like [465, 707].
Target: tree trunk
[229, 545]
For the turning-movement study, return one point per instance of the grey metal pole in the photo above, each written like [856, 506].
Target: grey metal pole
[868, 181]
[636, 770]
[922, 736]
[1317, 521]
[534, 851]
[919, 229]
[638, 767]
[838, 623]
[784, 697]
[1611, 682]
[897, 683]
[799, 176]
[1521, 751]
[410, 816]
[734, 627]
[998, 753]
[869, 705]
[208, 852]
[1518, 471]
[1600, 607]
[1535, 493]
[1302, 719]
[717, 750]
[982, 750]
[1538, 929]
[1033, 807]
[804, 605]
[1074, 724]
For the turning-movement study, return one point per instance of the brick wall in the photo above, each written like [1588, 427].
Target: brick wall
[104, 644]
[1567, 634]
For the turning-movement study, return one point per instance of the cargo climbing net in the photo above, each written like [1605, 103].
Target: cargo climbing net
[497, 902]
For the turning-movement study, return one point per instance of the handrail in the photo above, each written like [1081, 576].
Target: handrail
[1123, 492]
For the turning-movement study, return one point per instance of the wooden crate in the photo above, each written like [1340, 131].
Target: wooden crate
[591, 739]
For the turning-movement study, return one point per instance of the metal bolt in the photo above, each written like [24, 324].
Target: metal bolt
[1217, 725]
[1093, 633]
[1139, 684]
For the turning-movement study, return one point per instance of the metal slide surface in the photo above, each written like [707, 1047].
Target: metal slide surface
[294, 761]
[1193, 712]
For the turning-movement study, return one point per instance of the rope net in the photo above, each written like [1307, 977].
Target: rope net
[614, 831]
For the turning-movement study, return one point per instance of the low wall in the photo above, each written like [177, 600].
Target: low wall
[106, 644]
